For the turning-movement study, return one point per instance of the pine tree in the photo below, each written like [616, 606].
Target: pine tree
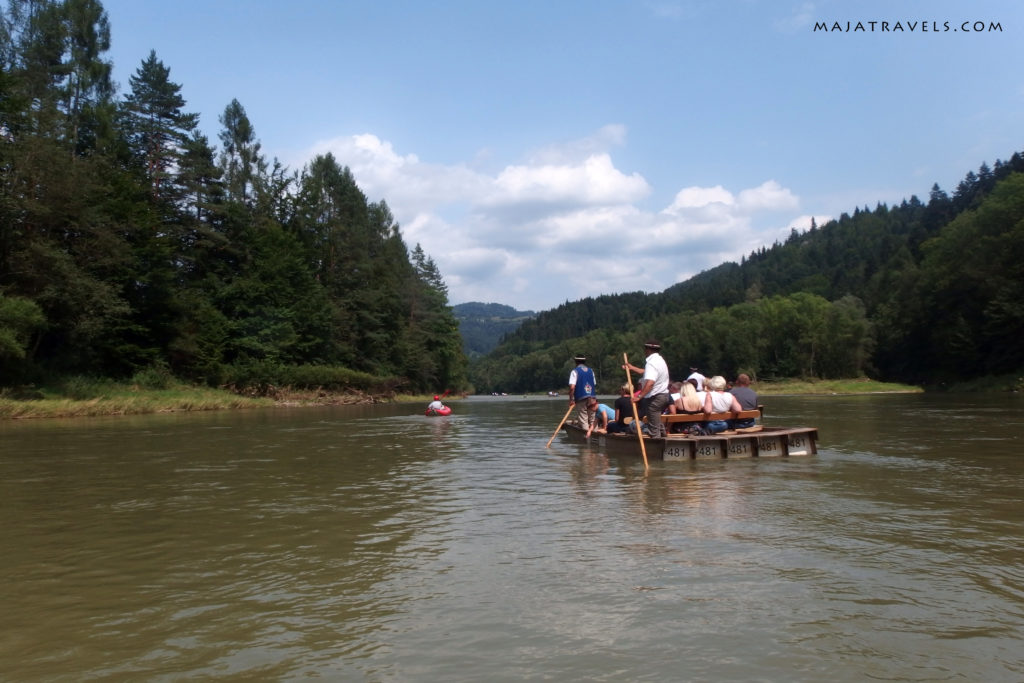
[158, 129]
[88, 83]
[240, 160]
[200, 177]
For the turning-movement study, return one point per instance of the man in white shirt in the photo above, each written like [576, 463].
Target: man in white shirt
[653, 396]
[700, 379]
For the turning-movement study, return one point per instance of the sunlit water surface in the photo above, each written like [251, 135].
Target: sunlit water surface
[373, 543]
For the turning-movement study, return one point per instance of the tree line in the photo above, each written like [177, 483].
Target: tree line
[923, 293]
[130, 242]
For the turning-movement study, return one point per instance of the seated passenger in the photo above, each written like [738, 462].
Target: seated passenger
[673, 395]
[718, 401]
[688, 403]
[435, 406]
[601, 416]
[700, 393]
[623, 409]
[747, 399]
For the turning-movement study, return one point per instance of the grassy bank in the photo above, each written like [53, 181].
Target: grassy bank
[155, 390]
[86, 398]
[832, 386]
[118, 399]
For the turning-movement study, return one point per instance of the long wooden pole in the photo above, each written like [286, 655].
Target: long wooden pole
[636, 415]
[559, 427]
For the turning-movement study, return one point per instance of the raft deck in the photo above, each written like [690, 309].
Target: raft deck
[752, 442]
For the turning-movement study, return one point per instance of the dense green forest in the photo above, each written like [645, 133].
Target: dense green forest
[483, 326]
[129, 243]
[922, 293]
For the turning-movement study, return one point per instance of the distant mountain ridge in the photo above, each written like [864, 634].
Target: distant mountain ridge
[483, 325]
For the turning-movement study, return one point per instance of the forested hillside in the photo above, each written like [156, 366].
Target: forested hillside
[484, 325]
[921, 292]
[130, 242]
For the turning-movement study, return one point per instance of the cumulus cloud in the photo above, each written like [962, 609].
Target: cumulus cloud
[401, 180]
[594, 181]
[564, 224]
[769, 196]
[700, 197]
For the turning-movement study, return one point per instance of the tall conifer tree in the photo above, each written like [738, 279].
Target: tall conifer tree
[157, 127]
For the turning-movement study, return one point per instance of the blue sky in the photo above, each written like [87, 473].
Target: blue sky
[543, 152]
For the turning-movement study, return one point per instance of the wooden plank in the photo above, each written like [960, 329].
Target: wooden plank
[701, 417]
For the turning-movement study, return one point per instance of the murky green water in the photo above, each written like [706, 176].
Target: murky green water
[377, 544]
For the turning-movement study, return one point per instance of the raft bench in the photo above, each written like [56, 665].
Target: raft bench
[688, 418]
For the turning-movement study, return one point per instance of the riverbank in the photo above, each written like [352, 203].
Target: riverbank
[859, 385]
[108, 398]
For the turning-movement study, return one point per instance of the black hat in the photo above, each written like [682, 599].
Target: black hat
[581, 359]
[653, 345]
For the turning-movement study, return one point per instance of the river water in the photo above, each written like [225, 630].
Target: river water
[373, 543]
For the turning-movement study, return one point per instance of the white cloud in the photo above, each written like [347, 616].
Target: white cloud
[400, 179]
[698, 197]
[564, 225]
[594, 181]
[768, 196]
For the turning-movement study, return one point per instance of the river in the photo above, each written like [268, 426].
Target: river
[373, 543]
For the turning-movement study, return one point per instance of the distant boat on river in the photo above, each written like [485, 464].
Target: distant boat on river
[446, 410]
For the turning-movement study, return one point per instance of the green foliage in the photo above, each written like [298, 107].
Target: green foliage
[157, 128]
[156, 376]
[966, 301]
[483, 326]
[131, 248]
[20, 319]
[82, 388]
[263, 377]
[241, 160]
[801, 335]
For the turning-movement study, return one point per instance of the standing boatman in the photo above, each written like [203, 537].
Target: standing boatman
[582, 385]
[653, 396]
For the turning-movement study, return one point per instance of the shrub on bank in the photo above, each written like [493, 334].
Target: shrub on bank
[264, 379]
